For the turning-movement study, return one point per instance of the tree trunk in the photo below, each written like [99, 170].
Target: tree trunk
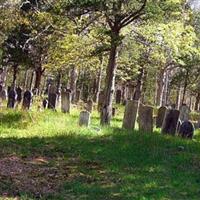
[185, 87]
[98, 83]
[106, 113]
[73, 82]
[197, 102]
[138, 88]
[38, 73]
[160, 85]
[178, 97]
[15, 68]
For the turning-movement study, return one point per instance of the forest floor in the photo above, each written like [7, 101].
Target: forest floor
[45, 155]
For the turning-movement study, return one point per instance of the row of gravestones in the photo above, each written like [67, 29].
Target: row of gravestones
[15, 96]
[170, 121]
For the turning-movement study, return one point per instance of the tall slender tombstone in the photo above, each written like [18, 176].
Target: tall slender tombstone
[145, 118]
[84, 119]
[160, 116]
[118, 96]
[66, 101]
[12, 97]
[130, 114]
[170, 122]
[19, 94]
[89, 106]
[45, 103]
[100, 102]
[27, 100]
[184, 113]
[52, 97]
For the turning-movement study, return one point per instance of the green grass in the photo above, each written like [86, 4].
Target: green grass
[45, 155]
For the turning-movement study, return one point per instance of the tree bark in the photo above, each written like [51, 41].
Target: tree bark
[38, 73]
[15, 68]
[98, 83]
[185, 86]
[106, 113]
[138, 88]
[197, 102]
[73, 82]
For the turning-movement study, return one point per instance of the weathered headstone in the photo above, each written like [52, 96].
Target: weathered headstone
[19, 94]
[65, 101]
[186, 130]
[12, 96]
[170, 122]
[45, 103]
[78, 96]
[89, 106]
[52, 97]
[4, 95]
[160, 116]
[145, 118]
[184, 113]
[84, 119]
[130, 114]
[113, 112]
[27, 100]
[118, 96]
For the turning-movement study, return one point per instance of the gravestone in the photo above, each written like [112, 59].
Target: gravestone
[89, 106]
[27, 100]
[186, 130]
[12, 96]
[45, 103]
[19, 94]
[113, 112]
[184, 113]
[84, 119]
[130, 114]
[101, 100]
[4, 95]
[52, 97]
[170, 122]
[66, 101]
[145, 118]
[118, 96]
[160, 116]
[78, 96]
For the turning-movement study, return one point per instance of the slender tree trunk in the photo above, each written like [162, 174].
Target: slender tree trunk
[15, 68]
[98, 83]
[197, 102]
[138, 88]
[159, 88]
[185, 87]
[106, 113]
[73, 82]
[38, 73]
[178, 96]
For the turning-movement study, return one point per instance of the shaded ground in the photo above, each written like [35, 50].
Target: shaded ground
[50, 157]
[116, 166]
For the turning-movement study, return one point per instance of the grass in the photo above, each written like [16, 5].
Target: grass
[45, 155]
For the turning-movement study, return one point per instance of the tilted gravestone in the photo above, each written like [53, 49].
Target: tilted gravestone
[186, 130]
[84, 119]
[118, 96]
[130, 114]
[160, 116]
[52, 97]
[66, 101]
[145, 118]
[12, 96]
[27, 100]
[170, 122]
[19, 94]
[89, 106]
[45, 103]
[3, 94]
[184, 113]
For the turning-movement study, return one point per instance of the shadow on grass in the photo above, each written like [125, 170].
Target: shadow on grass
[119, 165]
